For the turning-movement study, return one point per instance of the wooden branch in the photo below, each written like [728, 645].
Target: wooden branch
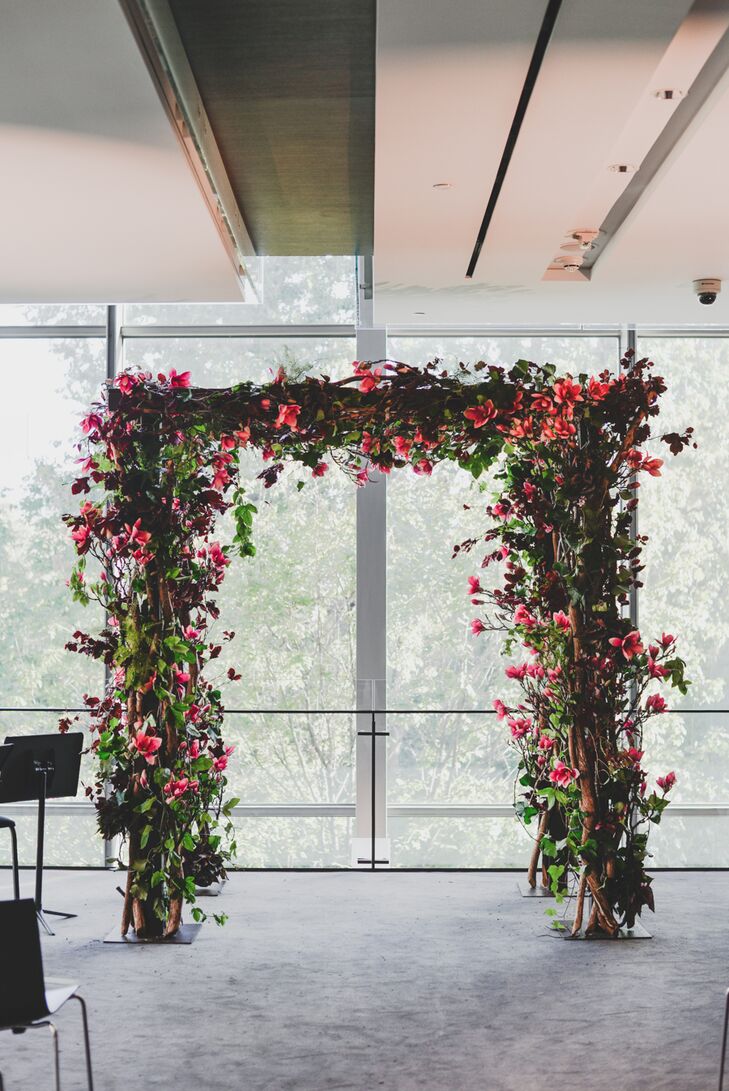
[534, 862]
[580, 907]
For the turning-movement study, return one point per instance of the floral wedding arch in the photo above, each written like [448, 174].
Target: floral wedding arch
[160, 464]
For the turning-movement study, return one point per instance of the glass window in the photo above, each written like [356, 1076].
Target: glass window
[434, 662]
[223, 361]
[291, 291]
[292, 609]
[49, 385]
[686, 516]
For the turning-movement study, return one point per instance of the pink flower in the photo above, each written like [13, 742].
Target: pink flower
[402, 446]
[636, 756]
[474, 585]
[221, 479]
[667, 782]
[563, 428]
[136, 534]
[320, 469]
[181, 678]
[566, 392]
[481, 414]
[500, 511]
[656, 670]
[598, 390]
[630, 645]
[217, 556]
[81, 537]
[652, 466]
[561, 620]
[371, 381]
[220, 763]
[666, 641]
[370, 376]
[519, 727]
[523, 617]
[179, 379]
[423, 467]
[92, 423]
[545, 742]
[562, 775]
[147, 746]
[287, 417]
[191, 634]
[174, 789]
[126, 383]
[541, 403]
[150, 681]
[501, 709]
[194, 749]
[477, 627]
[516, 672]
[656, 703]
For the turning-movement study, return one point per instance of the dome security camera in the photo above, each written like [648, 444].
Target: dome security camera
[707, 289]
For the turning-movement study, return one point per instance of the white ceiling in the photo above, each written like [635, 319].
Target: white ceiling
[448, 78]
[97, 201]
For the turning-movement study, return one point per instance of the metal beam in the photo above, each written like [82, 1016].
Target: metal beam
[82, 809]
[52, 331]
[230, 331]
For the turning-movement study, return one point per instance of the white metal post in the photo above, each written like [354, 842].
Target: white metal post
[370, 846]
[113, 367]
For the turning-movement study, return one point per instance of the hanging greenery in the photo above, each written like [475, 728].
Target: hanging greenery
[160, 464]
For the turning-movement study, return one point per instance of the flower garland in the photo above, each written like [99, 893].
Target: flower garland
[159, 465]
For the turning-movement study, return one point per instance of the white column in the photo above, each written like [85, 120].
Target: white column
[371, 624]
[114, 365]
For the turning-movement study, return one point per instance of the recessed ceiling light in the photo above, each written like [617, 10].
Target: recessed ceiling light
[669, 94]
[622, 168]
[419, 312]
[442, 185]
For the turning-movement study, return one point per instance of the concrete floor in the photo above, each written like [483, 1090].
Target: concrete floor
[434, 982]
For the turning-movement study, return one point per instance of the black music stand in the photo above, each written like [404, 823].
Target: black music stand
[41, 767]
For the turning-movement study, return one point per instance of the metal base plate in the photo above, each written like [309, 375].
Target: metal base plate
[636, 932]
[537, 891]
[186, 934]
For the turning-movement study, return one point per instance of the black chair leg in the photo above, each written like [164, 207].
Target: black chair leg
[87, 1044]
[723, 1042]
[16, 870]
